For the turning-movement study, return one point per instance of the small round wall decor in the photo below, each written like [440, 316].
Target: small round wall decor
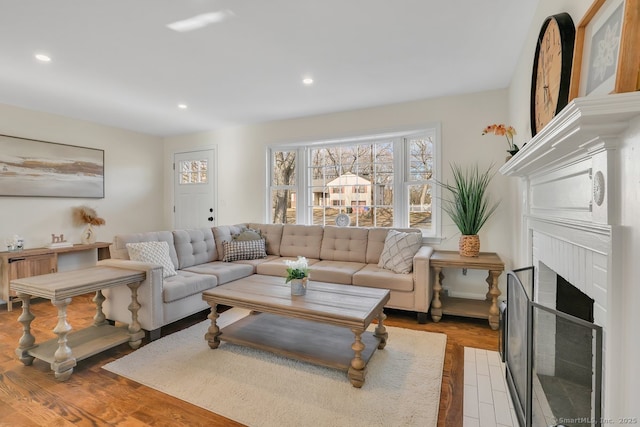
[343, 220]
[598, 188]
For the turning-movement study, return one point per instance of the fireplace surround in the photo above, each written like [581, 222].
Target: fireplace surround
[571, 223]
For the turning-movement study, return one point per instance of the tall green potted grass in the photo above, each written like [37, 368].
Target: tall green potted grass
[468, 205]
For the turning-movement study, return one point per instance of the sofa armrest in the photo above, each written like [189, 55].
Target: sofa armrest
[116, 305]
[422, 279]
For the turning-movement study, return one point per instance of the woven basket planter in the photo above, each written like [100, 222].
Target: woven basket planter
[469, 245]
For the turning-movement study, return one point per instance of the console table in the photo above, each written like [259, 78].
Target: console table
[33, 262]
[482, 309]
[60, 288]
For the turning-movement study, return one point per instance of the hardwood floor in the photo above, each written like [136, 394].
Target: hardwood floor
[30, 396]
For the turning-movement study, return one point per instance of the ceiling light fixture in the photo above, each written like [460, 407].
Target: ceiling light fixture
[42, 57]
[200, 21]
[307, 81]
[182, 106]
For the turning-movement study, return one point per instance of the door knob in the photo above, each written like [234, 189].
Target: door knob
[210, 218]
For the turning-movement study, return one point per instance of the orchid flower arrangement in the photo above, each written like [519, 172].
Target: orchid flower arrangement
[506, 131]
[298, 269]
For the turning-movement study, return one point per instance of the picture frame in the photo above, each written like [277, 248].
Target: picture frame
[33, 168]
[607, 49]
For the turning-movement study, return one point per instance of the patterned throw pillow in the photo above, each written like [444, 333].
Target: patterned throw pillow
[235, 250]
[154, 253]
[399, 250]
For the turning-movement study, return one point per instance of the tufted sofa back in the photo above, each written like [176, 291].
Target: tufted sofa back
[194, 246]
[301, 240]
[344, 244]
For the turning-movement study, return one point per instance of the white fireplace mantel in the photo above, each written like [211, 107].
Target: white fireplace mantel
[585, 125]
[571, 179]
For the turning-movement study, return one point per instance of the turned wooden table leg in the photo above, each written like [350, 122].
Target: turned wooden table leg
[381, 331]
[213, 333]
[64, 361]
[135, 331]
[99, 319]
[494, 313]
[436, 304]
[356, 371]
[27, 340]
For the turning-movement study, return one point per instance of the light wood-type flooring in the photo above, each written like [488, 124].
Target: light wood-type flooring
[30, 396]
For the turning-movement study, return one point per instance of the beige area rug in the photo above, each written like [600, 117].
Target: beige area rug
[257, 388]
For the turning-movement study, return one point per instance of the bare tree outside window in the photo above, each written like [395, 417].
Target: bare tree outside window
[420, 184]
[283, 187]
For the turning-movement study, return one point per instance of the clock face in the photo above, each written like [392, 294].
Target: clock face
[548, 75]
[552, 70]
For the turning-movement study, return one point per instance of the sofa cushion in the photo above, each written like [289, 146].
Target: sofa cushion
[153, 253]
[334, 271]
[194, 246]
[223, 233]
[399, 250]
[301, 240]
[278, 267]
[272, 234]
[375, 277]
[344, 244]
[185, 284]
[235, 250]
[118, 250]
[224, 271]
[248, 234]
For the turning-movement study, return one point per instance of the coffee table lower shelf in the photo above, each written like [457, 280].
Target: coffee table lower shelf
[318, 343]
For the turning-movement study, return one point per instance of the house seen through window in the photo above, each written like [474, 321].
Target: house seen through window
[381, 181]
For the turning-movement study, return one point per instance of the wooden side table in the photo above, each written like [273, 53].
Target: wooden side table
[482, 309]
[60, 288]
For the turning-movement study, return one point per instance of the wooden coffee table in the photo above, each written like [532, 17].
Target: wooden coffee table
[327, 326]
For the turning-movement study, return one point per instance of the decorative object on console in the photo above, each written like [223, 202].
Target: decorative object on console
[89, 217]
[399, 250]
[468, 205]
[46, 169]
[508, 132]
[15, 243]
[607, 52]
[551, 76]
[58, 241]
[154, 253]
[297, 274]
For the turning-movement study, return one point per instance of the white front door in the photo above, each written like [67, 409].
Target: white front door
[194, 189]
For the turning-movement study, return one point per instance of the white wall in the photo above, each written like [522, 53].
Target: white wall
[242, 160]
[134, 173]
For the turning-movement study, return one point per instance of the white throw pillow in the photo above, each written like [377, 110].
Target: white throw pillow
[399, 250]
[154, 253]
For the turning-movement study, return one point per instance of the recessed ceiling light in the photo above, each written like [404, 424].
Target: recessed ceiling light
[182, 106]
[200, 21]
[42, 57]
[307, 81]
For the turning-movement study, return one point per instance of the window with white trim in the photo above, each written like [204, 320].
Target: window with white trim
[381, 181]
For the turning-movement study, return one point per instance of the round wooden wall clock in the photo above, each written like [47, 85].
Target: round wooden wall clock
[551, 70]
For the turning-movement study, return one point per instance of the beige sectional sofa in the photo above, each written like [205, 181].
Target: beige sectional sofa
[345, 255]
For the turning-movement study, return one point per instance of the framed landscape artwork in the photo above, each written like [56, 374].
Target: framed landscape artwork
[45, 169]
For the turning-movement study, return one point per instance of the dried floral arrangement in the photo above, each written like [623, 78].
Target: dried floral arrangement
[86, 215]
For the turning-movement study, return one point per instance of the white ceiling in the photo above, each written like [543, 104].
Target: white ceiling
[115, 62]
